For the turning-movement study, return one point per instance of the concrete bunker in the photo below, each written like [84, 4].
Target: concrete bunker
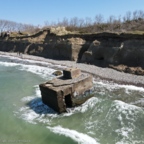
[68, 101]
[65, 92]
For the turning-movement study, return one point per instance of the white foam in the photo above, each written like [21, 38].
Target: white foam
[124, 111]
[74, 135]
[29, 115]
[124, 132]
[8, 64]
[39, 112]
[127, 116]
[46, 71]
[37, 67]
[33, 62]
[89, 104]
[130, 142]
[121, 106]
[111, 87]
[36, 111]
[132, 87]
[28, 98]
[140, 101]
[37, 91]
[10, 57]
[42, 71]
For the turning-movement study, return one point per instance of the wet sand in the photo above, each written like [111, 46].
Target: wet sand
[106, 74]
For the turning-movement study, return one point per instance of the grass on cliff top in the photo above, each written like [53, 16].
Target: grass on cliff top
[136, 32]
[23, 34]
[17, 34]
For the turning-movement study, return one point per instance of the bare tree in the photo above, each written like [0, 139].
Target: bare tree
[131, 21]
[46, 24]
[110, 22]
[140, 14]
[65, 22]
[81, 23]
[135, 15]
[111, 19]
[88, 21]
[74, 22]
[3, 25]
[128, 16]
[98, 19]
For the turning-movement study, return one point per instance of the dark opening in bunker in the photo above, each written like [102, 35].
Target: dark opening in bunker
[68, 101]
[100, 58]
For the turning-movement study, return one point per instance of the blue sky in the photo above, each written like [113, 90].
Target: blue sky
[39, 11]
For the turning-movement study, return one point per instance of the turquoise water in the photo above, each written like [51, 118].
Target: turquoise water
[115, 115]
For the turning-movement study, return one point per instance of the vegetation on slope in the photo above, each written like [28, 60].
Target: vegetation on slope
[131, 22]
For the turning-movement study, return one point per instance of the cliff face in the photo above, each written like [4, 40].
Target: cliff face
[46, 44]
[128, 52]
[118, 51]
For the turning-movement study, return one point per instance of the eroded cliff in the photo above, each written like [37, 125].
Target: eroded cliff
[124, 52]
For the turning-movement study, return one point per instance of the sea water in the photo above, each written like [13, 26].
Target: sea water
[115, 115]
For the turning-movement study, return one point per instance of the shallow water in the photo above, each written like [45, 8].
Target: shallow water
[115, 115]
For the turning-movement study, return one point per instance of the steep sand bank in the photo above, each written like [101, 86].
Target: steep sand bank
[97, 72]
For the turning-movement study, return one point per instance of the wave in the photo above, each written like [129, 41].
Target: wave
[99, 115]
[39, 70]
[43, 69]
[37, 111]
[8, 64]
[74, 135]
[88, 105]
[111, 86]
[30, 61]
[44, 72]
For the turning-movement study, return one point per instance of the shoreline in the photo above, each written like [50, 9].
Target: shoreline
[105, 74]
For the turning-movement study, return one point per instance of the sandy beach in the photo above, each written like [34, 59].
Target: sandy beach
[106, 74]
